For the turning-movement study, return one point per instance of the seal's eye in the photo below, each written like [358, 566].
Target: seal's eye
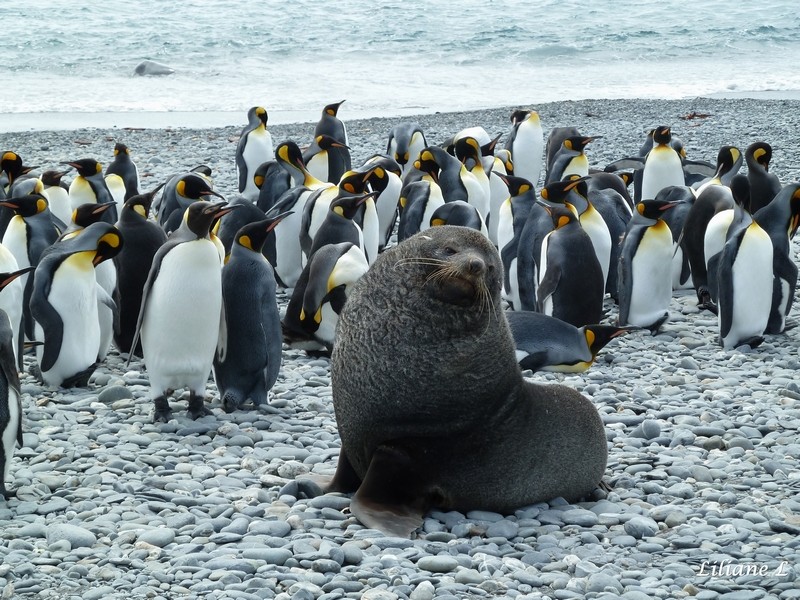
[448, 251]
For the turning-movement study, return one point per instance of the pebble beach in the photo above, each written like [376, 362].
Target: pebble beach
[704, 444]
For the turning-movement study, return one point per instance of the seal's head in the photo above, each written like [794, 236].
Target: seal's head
[458, 266]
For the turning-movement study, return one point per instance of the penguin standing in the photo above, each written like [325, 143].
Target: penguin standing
[473, 174]
[29, 234]
[682, 199]
[12, 168]
[780, 219]
[143, 237]
[178, 194]
[498, 190]
[662, 166]
[526, 143]
[571, 285]
[313, 310]
[253, 148]
[339, 225]
[181, 320]
[330, 124]
[89, 186]
[252, 359]
[64, 304]
[570, 159]
[764, 186]
[327, 159]
[406, 141]
[745, 283]
[459, 213]
[10, 404]
[11, 300]
[545, 343]
[418, 201]
[384, 177]
[645, 268]
[510, 219]
[126, 169]
[57, 194]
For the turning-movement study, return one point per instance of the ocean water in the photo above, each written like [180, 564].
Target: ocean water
[72, 62]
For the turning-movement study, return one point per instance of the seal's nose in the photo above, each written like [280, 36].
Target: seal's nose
[476, 265]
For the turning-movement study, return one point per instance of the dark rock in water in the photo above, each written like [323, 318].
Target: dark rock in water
[151, 67]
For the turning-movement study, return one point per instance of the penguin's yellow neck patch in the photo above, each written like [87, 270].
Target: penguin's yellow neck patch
[244, 240]
[338, 210]
[438, 222]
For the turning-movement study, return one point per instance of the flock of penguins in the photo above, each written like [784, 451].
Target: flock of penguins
[188, 280]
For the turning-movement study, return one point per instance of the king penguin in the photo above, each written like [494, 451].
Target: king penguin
[511, 218]
[544, 343]
[780, 219]
[252, 359]
[143, 237]
[526, 143]
[64, 304]
[253, 149]
[10, 404]
[406, 141]
[662, 166]
[181, 320]
[764, 186]
[57, 194]
[418, 201]
[330, 124]
[313, 310]
[89, 186]
[645, 268]
[327, 158]
[571, 285]
[124, 166]
[745, 283]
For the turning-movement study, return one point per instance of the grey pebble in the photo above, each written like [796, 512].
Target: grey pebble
[438, 563]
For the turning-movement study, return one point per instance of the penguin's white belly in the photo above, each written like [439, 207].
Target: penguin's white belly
[15, 240]
[80, 192]
[547, 307]
[257, 150]
[58, 198]
[751, 278]
[477, 192]
[716, 232]
[596, 227]
[327, 327]
[513, 286]
[435, 200]
[651, 273]
[106, 274]
[577, 166]
[527, 152]
[181, 323]
[11, 295]
[318, 165]
[288, 254]
[386, 205]
[663, 168]
[73, 294]
[370, 232]
[498, 194]
[9, 436]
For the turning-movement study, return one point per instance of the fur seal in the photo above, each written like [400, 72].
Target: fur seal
[430, 402]
[151, 67]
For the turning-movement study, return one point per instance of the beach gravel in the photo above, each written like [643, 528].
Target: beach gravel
[704, 444]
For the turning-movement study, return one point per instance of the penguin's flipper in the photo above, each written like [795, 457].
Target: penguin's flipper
[533, 360]
[631, 162]
[713, 275]
[725, 301]
[104, 298]
[49, 319]
[151, 277]
[241, 165]
[222, 339]
[624, 286]
[548, 285]
[699, 167]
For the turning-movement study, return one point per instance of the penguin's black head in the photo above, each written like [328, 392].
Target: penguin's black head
[332, 109]
[86, 167]
[654, 209]
[26, 206]
[194, 187]
[516, 185]
[120, 149]
[109, 244]
[794, 208]
[577, 143]
[51, 178]
[385, 161]
[561, 214]
[728, 158]
[467, 148]
[354, 182]
[457, 212]
[761, 153]
[253, 235]
[326, 142]
[597, 336]
[519, 115]
[89, 213]
[141, 203]
[201, 215]
[559, 191]
[347, 206]
[11, 165]
[662, 134]
[256, 115]
[289, 152]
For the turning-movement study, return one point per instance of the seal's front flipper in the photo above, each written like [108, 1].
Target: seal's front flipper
[345, 479]
[390, 498]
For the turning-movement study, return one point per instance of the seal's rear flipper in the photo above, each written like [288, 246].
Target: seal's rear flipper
[390, 499]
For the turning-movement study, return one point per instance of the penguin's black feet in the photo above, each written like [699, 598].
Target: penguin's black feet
[705, 302]
[753, 342]
[197, 407]
[80, 379]
[162, 413]
[5, 492]
[230, 402]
